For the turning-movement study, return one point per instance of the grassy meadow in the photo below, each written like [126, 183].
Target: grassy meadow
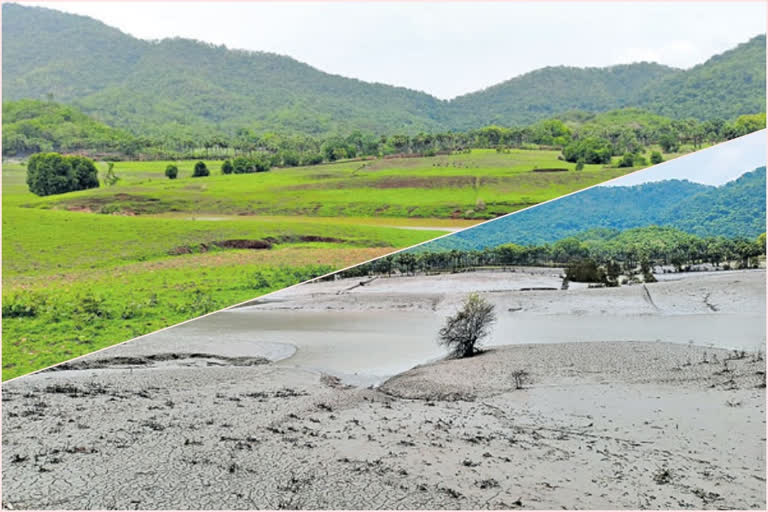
[480, 185]
[85, 270]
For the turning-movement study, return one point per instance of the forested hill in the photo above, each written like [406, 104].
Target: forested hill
[183, 86]
[554, 90]
[735, 209]
[153, 86]
[725, 86]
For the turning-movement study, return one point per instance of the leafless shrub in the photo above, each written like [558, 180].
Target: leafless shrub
[521, 377]
[464, 330]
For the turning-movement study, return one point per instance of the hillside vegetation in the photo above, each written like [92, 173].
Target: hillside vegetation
[735, 209]
[196, 89]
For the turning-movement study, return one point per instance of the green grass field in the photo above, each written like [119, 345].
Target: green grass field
[480, 185]
[85, 270]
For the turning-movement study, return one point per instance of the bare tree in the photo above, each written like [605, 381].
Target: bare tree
[464, 330]
[520, 377]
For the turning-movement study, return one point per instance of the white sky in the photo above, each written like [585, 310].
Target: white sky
[446, 48]
[712, 166]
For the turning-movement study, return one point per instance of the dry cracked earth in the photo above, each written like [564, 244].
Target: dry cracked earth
[597, 425]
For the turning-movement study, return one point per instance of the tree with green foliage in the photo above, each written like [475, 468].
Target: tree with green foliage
[52, 173]
[669, 142]
[85, 172]
[201, 170]
[171, 171]
[656, 157]
[226, 167]
[591, 150]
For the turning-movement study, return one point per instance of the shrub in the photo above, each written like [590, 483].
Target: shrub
[656, 158]
[92, 306]
[585, 271]
[226, 167]
[520, 377]
[311, 159]
[464, 330]
[21, 305]
[52, 173]
[627, 160]
[171, 171]
[201, 170]
[580, 165]
[247, 165]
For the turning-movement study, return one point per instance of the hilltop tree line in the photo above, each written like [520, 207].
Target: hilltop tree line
[607, 252]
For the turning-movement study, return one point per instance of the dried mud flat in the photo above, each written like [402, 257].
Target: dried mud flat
[598, 425]
[601, 425]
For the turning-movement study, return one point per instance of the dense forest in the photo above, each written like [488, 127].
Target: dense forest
[606, 252]
[735, 209]
[206, 91]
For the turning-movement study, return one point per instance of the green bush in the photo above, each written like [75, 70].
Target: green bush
[171, 171]
[246, 165]
[627, 160]
[226, 167]
[52, 173]
[201, 170]
[22, 304]
[656, 158]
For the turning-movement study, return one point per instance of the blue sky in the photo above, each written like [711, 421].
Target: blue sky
[446, 48]
[712, 166]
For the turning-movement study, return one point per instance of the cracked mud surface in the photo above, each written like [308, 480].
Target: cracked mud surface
[601, 425]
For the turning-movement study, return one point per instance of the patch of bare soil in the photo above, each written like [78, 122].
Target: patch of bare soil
[254, 244]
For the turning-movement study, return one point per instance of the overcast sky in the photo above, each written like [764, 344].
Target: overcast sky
[712, 166]
[447, 48]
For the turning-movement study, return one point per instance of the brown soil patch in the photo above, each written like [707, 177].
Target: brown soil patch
[254, 244]
[243, 244]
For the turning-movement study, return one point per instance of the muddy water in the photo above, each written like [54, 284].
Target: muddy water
[366, 347]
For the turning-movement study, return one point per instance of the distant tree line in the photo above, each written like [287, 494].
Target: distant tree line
[607, 251]
[34, 126]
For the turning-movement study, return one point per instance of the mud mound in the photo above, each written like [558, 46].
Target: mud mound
[152, 359]
[493, 371]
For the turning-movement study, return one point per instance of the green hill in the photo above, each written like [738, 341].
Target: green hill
[149, 87]
[30, 126]
[553, 90]
[188, 87]
[725, 86]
